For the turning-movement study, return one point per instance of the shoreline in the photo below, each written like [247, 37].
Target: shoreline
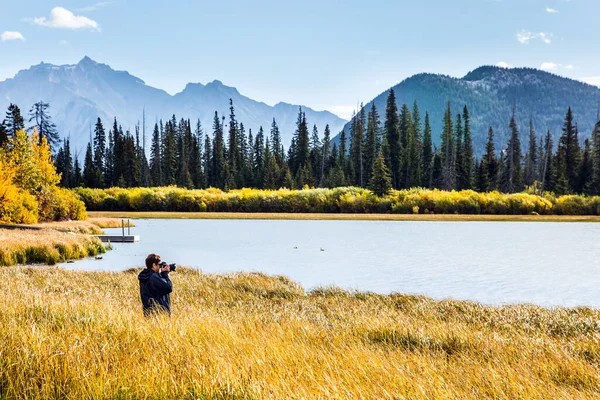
[343, 217]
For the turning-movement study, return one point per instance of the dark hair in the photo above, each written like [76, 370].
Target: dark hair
[152, 259]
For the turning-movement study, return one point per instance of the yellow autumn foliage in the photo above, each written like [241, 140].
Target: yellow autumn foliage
[28, 184]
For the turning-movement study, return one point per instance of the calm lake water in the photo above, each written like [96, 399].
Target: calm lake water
[542, 263]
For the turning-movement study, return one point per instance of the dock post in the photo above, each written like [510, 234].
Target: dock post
[123, 226]
[128, 226]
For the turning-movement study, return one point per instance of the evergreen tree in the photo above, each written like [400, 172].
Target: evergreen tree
[447, 152]
[356, 147]
[219, 161]
[315, 154]
[512, 178]
[596, 158]
[531, 167]
[207, 164]
[3, 134]
[549, 170]
[569, 152]
[233, 147]
[301, 156]
[77, 174]
[586, 171]
[259, 158]
[406, 134]
[89, 170]
[155, 158]
[381, 182]
[416, 147]
[459, 151]
[437, 172]
[38, 114]
[370, 154]
[100, 147]
[276, 145]
[467, 157]
[13, 121]
[427, 157]
[490, 163]
[392, 135]
[325, 163]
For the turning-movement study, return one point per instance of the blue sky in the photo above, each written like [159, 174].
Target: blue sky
[325, 54]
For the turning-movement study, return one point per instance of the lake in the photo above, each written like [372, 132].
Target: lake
[544, 263]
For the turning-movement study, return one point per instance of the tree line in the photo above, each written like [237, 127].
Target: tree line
[397, 153]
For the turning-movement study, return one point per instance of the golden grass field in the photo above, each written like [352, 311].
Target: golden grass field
[55, 242]
[81, 335]
[348, 217]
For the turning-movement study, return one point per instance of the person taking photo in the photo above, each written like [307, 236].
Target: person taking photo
[155, 286]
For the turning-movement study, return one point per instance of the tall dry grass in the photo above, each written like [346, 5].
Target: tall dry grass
[74, 335]
[47, 246]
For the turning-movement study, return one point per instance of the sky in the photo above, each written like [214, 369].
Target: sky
[326, 54]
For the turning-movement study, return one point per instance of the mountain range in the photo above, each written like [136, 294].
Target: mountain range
[491, 94]
[79, 94]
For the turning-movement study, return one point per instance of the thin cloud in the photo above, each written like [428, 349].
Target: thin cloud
[344, 112]
[64, 19]
[9, 35]
[524, 37]
[550, 66]
[503, 64]
[94, 7]
[551, 10]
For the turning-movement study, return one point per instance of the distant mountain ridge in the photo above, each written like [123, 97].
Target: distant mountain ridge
[490, 93]
[78, 94]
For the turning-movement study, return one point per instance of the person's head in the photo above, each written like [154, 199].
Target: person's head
[152, 262]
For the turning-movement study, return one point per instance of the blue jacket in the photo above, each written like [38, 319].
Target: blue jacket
[154, 291]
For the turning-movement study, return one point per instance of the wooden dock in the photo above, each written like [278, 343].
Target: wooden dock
[119, 238]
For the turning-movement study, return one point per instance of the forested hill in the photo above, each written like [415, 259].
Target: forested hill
[79, 94]
[490, 93]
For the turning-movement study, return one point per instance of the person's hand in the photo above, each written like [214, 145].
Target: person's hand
[166, 268]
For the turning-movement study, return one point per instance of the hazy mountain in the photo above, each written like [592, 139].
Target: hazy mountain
[490, 94]
[79, 94]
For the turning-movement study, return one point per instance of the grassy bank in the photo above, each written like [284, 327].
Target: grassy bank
[345, 200]
[81, 335]
[345, 217]
[46, 246]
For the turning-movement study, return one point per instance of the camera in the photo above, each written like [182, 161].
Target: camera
[171, 266]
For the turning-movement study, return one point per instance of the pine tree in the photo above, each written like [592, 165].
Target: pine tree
[437, 172]
[370, 154]
[512, 178]
[77, 174]
[155, 158]
[549, 170]
[315, 154]
[259, 158]
[356, 147]
[219, 162]
[325, 163]
[13, 121]
[459, 166]
[233, 147]
[89, 170]
[596, 158]
[276, 145]
[100, 147]
[427, 157]
[531, 167]
[207, 163]
[392, 135]
[38, 114]
[569, 152]
[586, 171]
[381, 182]
[490, 163]
[447, 152]
[3, 134]
[405, 129]
[467, 158]
[416, 147]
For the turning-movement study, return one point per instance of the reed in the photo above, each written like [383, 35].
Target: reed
[46, 246]
[72, 335]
